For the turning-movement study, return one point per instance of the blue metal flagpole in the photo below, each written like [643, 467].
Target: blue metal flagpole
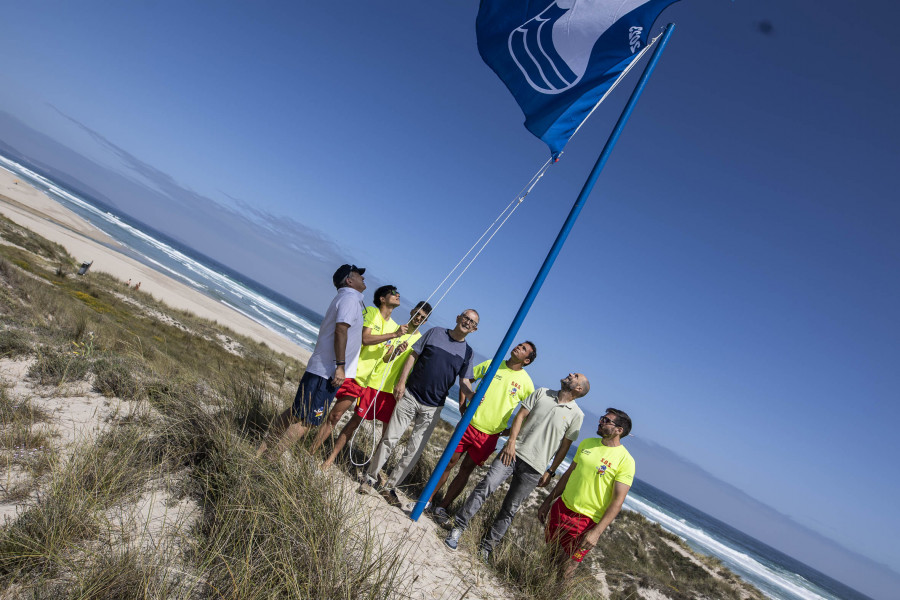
[539, 279]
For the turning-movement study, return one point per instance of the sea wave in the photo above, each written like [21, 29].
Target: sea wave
[746, 565]
[175, 263]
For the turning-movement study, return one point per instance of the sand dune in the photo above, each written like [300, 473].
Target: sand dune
[33, 209]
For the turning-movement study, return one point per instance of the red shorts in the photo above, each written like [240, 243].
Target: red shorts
[479, 445]
[349, 389]
[384, 403]
[566, 528]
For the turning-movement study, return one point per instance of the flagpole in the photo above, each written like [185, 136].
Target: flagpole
[541, 276]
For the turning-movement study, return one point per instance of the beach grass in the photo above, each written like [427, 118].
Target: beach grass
[196, 410]
[633, 554]
[167, 500]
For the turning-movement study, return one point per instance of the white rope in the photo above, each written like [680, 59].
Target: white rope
[514, 205]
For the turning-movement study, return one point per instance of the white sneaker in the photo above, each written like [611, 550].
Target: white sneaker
[452, 539]
[366, 487]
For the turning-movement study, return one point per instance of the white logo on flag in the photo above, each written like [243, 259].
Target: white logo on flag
[634, 38]
[553, 48]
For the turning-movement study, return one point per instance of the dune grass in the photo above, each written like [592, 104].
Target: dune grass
[195, 413]
[633, 553]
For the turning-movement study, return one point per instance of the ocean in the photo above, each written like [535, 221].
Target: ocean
[158, 251]
[774, 573]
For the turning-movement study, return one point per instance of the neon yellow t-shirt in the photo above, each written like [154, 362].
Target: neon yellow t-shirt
[397, 365]
[370, 367]
[501, 399]
[589, 490]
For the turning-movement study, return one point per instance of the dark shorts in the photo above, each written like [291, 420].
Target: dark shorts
[350, 389]
[567, 528]
[384, 403]
[313, 396]
[478, 444]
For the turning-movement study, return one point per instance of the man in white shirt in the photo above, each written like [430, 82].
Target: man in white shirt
[333, 360]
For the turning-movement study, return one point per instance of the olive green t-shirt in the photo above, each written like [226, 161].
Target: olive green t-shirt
[547, 423]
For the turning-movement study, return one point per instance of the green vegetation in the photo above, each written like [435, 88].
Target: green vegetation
[194, 413]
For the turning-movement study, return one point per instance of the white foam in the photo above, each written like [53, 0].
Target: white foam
[736, 559]
[307, 333]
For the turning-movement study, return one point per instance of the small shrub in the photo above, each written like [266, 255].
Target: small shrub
[251, 412]
[7, 271]
[118, 574]
[55, 368]
[115, 377]
[34, 542]
[80, 327]
[14, 343]
[271, 533]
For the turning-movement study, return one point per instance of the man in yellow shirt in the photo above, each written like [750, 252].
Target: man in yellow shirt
[378, 327]
[377, 401]
[510, 386]
[592, 492]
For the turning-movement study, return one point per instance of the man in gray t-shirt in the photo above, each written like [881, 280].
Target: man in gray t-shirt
[547, 422]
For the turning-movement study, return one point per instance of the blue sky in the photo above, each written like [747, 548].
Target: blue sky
[732, 282]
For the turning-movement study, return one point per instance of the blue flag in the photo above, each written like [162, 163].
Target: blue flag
[558, 57]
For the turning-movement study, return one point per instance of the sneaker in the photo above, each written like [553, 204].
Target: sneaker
[366, 488]
[440, 516]
[392, 497]
[484, 554]
[452, 539]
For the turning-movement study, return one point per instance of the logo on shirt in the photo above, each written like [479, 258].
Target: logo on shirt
[514, 389]
[602, 468]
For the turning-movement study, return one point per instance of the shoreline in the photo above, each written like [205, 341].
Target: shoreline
[30, 208]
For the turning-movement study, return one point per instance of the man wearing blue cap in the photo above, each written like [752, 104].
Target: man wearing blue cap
[333, 360]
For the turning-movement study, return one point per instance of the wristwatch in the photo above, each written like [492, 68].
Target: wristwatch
[551, 473]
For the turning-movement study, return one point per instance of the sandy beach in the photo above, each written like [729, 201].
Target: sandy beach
[33, 209]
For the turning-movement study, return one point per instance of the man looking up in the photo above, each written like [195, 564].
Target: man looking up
[333, 360]
[544, 428]
[377, 401]
[592, 489]
[436, 361]
[511, 385]
[378, 327]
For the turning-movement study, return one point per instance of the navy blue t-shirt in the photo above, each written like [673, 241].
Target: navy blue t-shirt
[441, 360]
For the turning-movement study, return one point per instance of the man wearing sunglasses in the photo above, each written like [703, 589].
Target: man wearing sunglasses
[378, 404]
[590, 494]
[378, 328]
[438, 358]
